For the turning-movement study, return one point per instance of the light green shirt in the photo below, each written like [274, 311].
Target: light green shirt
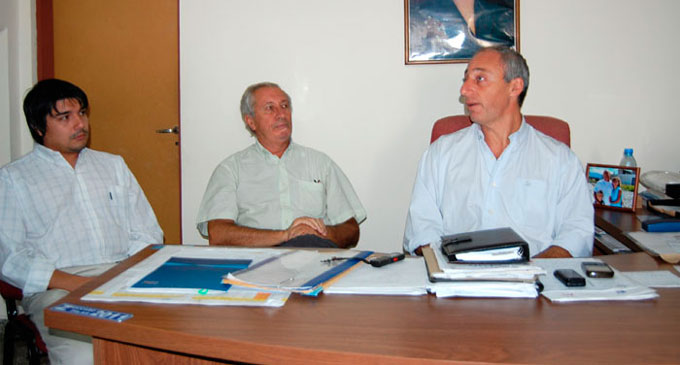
[257, 189]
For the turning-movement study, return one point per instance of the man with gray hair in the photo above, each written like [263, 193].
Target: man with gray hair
[276, 192]
[500, 171]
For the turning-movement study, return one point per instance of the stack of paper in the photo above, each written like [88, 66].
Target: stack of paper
[182, 274]
[470, 280]
[619, 287]
[664, 245]
[406, 277]
[297, 271]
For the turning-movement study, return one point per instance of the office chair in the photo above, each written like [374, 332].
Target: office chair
[19, 325]
[553, 127]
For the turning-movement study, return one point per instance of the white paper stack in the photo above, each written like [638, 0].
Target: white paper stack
[406, 277]
[619, 287]
[119, 289]
[470, 280]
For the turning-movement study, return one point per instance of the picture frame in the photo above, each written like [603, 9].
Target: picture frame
[435, 31]
[604, 190]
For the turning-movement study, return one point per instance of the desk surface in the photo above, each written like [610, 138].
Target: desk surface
[352, 328]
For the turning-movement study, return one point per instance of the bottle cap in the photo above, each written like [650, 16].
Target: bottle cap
[628, 152]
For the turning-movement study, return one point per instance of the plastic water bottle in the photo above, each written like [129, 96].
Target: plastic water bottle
[628, 160]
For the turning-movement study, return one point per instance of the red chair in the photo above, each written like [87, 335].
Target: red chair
[555, 128]
[19, 325]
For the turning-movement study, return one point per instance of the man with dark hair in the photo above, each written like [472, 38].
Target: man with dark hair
[277, 192]
[500, 171]
[68, 213]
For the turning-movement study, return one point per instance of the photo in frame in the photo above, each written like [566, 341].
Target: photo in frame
[613, 187]
[451, 31]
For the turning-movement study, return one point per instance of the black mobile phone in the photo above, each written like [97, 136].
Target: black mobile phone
[594, 269]
[570, 277]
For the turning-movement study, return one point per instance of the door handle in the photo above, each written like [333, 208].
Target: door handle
[174, 130]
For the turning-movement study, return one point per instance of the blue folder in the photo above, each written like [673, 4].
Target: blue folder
[192, 273]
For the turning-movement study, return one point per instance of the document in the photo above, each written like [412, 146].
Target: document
[199, 288]
[406, 277]
[664, 245]
[618, 287]
[187, 273]
[654, 279]
[472, 280]
[297, 271]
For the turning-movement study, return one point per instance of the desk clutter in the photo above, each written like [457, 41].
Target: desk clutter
[228, 276]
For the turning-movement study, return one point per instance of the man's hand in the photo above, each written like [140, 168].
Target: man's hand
[66, 281]
[306, 225]
[553, 252]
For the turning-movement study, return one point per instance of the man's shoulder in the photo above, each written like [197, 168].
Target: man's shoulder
[308, 151]
[101, 157]
[452, 142]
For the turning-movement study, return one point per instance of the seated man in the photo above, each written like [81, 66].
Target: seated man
[500, 171]
[277, 192]
[68, 212]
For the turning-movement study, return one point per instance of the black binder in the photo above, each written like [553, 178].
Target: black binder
[491, 246]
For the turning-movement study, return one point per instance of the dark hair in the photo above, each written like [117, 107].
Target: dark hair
[42, 99]
[515, 66]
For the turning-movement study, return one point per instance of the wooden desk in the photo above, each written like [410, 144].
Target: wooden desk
[616, 223]
[376, 329]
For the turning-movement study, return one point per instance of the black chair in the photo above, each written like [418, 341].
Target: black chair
[19, 326]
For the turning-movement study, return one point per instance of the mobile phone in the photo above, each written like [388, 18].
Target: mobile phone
[570, 277]
[594, 269]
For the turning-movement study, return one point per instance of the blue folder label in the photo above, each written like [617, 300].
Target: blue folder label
[92, 312]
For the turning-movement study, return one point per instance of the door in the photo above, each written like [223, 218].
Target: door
[124, 54]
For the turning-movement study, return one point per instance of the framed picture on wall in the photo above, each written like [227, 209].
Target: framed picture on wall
[451, 31]
[613, 187]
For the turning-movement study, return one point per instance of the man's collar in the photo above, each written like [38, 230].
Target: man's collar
[52, 155]
[265, 152]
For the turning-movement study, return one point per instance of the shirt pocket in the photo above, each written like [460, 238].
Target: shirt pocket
[118, 203]
[309, 198]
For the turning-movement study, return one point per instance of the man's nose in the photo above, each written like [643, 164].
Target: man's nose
[80, 121]
[465, 88]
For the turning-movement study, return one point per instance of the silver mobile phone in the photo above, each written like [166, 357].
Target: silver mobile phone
[597, 269]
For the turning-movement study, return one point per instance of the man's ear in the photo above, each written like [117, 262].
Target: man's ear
[37, 131]
[250, 122]
[516, 86]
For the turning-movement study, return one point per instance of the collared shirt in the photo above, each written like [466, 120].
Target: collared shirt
[257, 189]
[55, 216]
[537, 187]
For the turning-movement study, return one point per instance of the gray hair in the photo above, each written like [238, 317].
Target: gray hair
[248, 101]
[515, 66]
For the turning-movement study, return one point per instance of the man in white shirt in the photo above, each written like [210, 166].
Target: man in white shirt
[68, 213]
[500, 171]
[277, 192]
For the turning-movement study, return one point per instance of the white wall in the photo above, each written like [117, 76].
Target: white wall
[607, 70]
[18, 67]
[17, 63]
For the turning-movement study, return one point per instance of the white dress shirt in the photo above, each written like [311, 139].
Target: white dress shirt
[54, 216]
[257, 189]
[537, 187]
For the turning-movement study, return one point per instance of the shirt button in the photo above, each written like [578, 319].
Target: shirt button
[493, 184]
[491, 211]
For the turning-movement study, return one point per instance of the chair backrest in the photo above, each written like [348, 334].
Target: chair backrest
[555, 128]
[19, 324]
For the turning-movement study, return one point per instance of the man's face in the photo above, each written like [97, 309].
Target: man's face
[605, 175]
[272, 116]
[67, 128]
[486, 95]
